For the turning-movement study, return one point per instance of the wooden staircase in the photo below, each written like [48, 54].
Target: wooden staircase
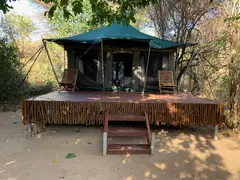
[147, 148]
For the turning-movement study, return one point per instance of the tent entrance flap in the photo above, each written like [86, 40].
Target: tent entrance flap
[122, 69]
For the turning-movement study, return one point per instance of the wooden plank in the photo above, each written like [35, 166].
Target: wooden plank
[167, 85]
[106, 122]
[126, 118]
[127, 131]
[169, 92]
[148, 128]
[128, 148]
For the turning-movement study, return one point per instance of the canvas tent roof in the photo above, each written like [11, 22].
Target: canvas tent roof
[118, 32]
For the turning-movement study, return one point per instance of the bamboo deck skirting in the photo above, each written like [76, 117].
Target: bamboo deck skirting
[91, 113]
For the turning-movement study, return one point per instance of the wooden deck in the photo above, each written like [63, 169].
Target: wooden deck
[137, 97]
[88, 108]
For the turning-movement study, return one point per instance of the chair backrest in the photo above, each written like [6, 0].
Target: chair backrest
[70, 75]
[165, 77]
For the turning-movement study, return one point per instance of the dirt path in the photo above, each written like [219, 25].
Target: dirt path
[178, 155]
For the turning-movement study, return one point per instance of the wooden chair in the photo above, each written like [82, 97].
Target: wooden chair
[69, 79]
[166, 82]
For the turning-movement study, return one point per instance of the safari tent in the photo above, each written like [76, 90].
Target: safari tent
[121, 52]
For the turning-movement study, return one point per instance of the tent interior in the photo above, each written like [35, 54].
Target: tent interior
[123, 69]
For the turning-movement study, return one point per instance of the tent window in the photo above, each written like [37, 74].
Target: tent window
[122, 68]
[88, 64]
[155, 64]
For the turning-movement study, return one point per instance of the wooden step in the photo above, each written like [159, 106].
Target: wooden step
[168, 92]
[126, 118]
[128, 148]
[172, 88]
[127, 131]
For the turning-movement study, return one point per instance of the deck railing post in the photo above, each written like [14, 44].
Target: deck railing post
[104, 143]
[152, 143]
[29, 130]
[215, 135]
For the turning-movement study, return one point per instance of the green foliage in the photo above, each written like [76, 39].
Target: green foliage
[8, 56]
[11, 77]
[4, 6]
[74, 24]
[142, 19]
[103, 11]
[18, 29]
[17, 26]
[9, 62]
[81, 23]
[233, 18]
[225, 81]
[108, 11]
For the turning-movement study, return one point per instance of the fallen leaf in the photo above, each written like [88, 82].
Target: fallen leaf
[127, 155]
[161, 166]
[162, 150]
[129, 178]
[11, 162]
[56, 161]
[147, 173]
[77, 141]
[176, 164]
[154, 176]
[76, 130]
[2, 171]
[70, 155]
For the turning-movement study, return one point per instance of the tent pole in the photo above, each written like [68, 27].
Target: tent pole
[40, 49]
[64, 60]
[102, 65]
[39, 52]
[87, 50]
[145, 82]
[55, 74]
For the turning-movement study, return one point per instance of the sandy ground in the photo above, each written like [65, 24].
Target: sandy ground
[178, 155]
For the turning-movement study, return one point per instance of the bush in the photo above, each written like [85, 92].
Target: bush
[11, 77]
[9, 66]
